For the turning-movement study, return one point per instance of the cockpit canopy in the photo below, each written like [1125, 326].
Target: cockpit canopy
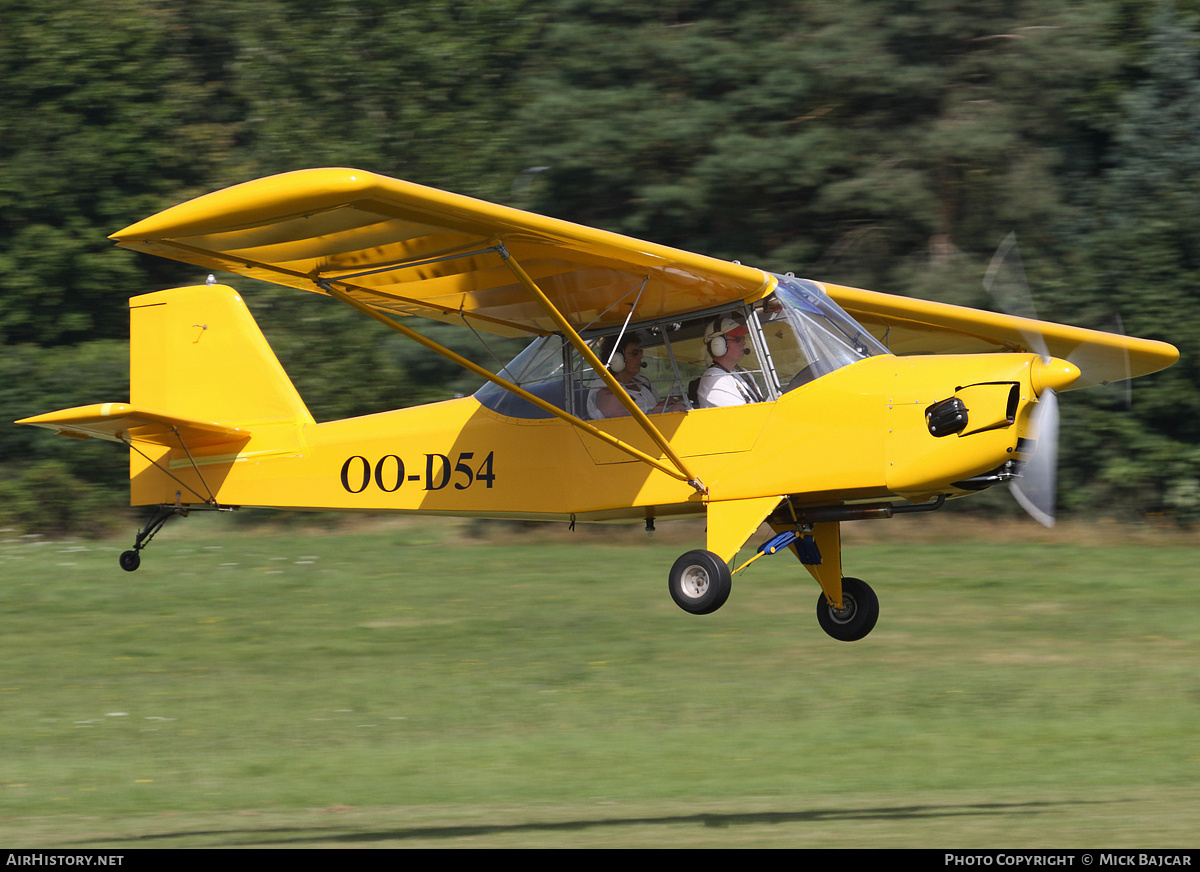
[796, 334]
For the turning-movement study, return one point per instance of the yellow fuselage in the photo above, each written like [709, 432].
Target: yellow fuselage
[857, 434]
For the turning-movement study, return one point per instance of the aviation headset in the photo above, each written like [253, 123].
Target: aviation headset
[607, 346]
[714, 336]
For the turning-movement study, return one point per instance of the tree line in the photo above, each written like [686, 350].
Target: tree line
[888, 144]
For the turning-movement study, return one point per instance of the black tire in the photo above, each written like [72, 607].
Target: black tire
[858, 617]
[700, 582]
[130, 560]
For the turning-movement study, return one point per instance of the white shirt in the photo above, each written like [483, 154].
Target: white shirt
[720, 387]
[641, 392]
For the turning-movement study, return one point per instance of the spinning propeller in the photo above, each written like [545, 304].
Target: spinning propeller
[1035, 489]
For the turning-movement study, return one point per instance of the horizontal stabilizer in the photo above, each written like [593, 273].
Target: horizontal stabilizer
[119, 422]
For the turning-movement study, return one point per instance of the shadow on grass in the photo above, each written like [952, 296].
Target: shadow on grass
[307, 836]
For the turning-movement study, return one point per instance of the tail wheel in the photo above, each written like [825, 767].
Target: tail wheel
[856, 618]
[700, 582]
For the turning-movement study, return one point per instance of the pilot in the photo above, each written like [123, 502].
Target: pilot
[625, 365]
[725, 383]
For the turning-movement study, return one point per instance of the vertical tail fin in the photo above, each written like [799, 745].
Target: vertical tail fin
[197, 353]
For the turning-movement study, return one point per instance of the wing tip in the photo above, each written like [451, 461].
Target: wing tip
[249, 200]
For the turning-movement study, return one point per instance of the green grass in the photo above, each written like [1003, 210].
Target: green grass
[412, 685]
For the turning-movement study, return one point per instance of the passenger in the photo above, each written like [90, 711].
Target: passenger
[725, 383]
[626, 365]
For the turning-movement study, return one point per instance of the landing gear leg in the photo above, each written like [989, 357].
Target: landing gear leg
[847, 608]
[132, 559]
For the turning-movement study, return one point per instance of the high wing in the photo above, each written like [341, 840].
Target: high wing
[911, 326]
[404, 249]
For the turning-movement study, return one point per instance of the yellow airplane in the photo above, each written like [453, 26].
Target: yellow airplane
[723, 391]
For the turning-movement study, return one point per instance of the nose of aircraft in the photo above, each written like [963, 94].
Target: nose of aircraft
[1054, 374]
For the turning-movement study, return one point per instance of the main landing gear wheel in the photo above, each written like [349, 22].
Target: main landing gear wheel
[130, 560]
[857, 617]
[700, 582]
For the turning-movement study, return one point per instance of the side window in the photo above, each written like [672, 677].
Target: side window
[656, 370]
[752, 366]
[539, 370]
[674, 357]
[687, 348]
[658, 365]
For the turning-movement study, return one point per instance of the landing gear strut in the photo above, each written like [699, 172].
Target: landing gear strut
[132, 559]
[847, 608]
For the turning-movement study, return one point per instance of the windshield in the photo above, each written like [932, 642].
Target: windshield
[808, 335]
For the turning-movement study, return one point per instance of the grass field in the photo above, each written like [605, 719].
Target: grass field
[432, 684]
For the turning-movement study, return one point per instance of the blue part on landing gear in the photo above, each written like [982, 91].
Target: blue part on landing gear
[806, 546]
[777, 543]
[810, 554]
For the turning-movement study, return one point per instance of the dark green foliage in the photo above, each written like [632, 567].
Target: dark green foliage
[1142, 244]
[102, 121]
[48, 483]
[415, 90]
[860, 143]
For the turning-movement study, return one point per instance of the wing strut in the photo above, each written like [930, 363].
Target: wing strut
[601, 370]
[471, 366]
